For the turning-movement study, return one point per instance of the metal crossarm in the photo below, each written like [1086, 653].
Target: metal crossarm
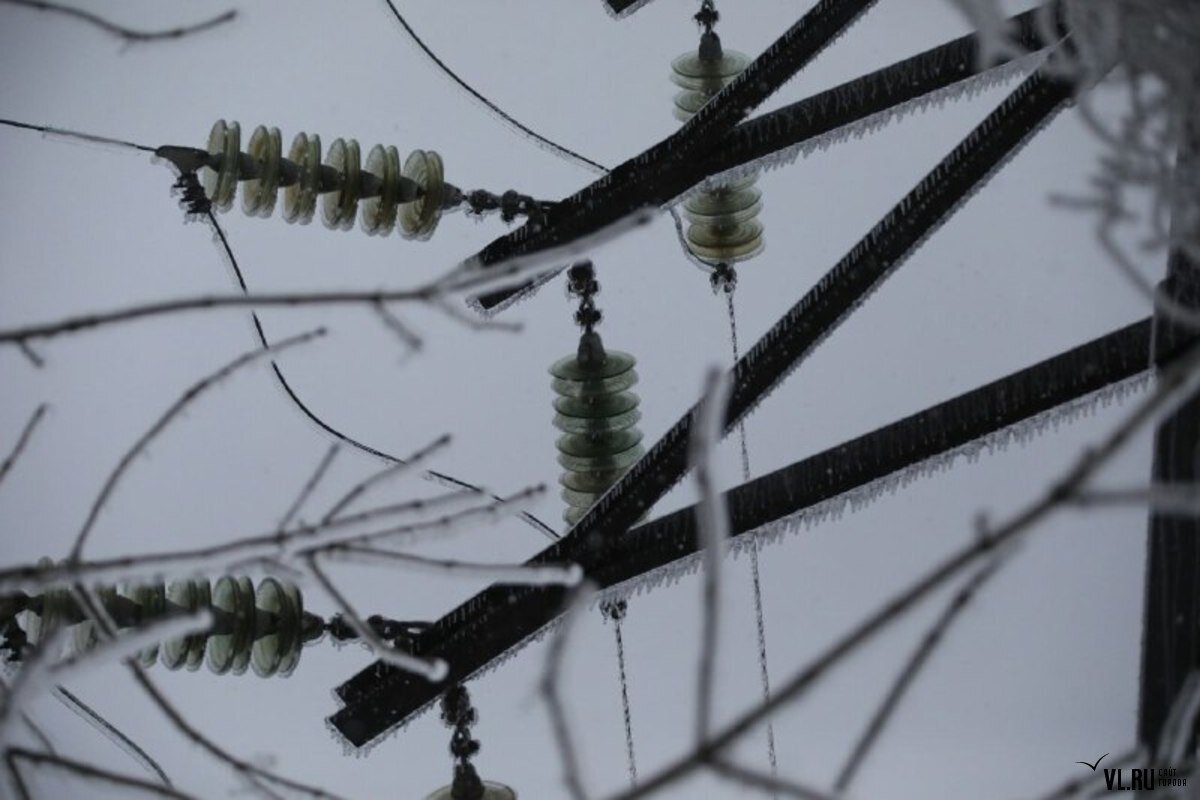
[374, 697]
[795, 124]
[502, 617]
[632, 185]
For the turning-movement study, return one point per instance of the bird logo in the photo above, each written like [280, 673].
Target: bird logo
[1093, 766]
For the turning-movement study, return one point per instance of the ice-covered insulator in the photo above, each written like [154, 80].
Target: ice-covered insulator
[419, 218]
[722, 221]
[276, 648]
[491, 791]
[379, 212]
[300, 197]
[265, 629]
[340, 206]
[258, 194]
[221, 174]
[598, 416]
[187, 651]
[701, 78]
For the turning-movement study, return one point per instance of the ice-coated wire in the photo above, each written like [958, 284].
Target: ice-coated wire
[630, 753]
[553, 146]
[527, 517]
[764, 673]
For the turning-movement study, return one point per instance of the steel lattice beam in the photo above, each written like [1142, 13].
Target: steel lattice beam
[380, 697]
[795, 124]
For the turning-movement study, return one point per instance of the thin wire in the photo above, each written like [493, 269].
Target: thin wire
[630, 757]
[565, 152]
[128, 34]
[126, 744]
[86, 137]
[760, 623]
[528, 517]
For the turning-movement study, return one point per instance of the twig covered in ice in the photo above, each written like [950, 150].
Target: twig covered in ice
[309, 486]
[548, 687]
[22, 440]
[165, 420]
[1178, 380]
[912, 667]
[430, 669]
[712, 520]
[89, 771]
[129, 35]
[764, 782]
[395, 470]
[515, 574]
[131, 641]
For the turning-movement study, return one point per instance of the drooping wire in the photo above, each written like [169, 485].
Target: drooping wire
[555, 147]
[730, 284]
[528, 517]
[128, 34]
[85, 137]
[616, 612]
[111, 732]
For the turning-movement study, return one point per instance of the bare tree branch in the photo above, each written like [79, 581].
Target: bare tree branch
[712, 520]
[916, 662]
[430, 669]
[1177, 379]
[130, 35]
[309, 486]
[764, 782]
[170, 414]
[549, 689]
[22, 440]
[93, 772]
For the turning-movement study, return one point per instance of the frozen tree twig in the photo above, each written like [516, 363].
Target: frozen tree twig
[522, 574]
[1182, 499]
[296, 542]
[31, 355]
[165, 420]
[393, 471]
[129, 35]
[394, 324]
[430, 669]
[112, 733]
[310, 485]
[22, 440]
[764, 782]
[712, 520]
[91, 772]
[912, 667]
[1177, 380]
[548, 687]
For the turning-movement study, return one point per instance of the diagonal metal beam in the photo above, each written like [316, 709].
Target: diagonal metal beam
[804, 121]
[630, 185]
[502, 617]
[376, 696]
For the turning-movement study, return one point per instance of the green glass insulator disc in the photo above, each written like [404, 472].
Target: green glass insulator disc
[608, 405]
[258, 194]
[687, 104]
[615, 363]
[340, 207]
[592, 481]
[608, 444]
[153, 600]
[230, 649]
[86, 635]
[597, 426]
[419, 218]
[300, 199]
[290, 656]
[181, 595]
[723, 206]
[225, 145]
[621, 460]
[595, 388]
[379, 213]
[269, 650]
[198, 643]
[726, 245]
[689, 71]
[579, 499]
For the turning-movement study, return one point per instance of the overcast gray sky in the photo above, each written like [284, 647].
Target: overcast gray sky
[1040, 674]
